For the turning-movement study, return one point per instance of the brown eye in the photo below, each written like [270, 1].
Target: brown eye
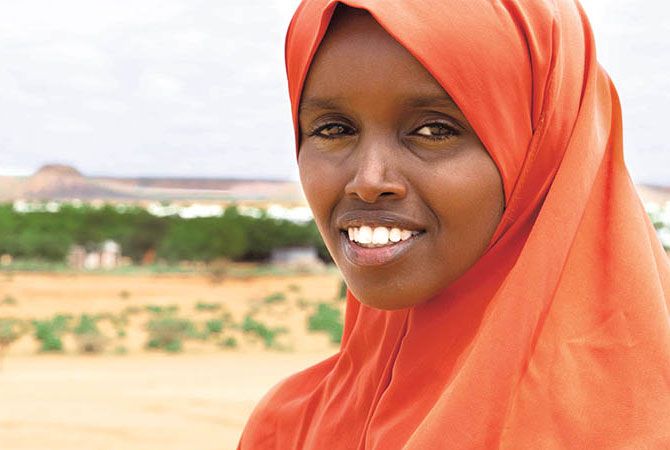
[331, 131]
[436, 131]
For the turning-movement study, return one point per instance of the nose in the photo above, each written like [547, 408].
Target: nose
[376, 174]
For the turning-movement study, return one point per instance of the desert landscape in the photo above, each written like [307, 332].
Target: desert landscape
[118, 390]
[157, 354]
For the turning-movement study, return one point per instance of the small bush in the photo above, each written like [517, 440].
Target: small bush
[250, 325]
[294, 288]
[8, 300]
[48, 333]
[201, 306]
[214, 326]
[154, 343]
[167, 333]
[124, 294]
[10, 331]
[173, 346]
[227, 318]
[328, 319]
[89, 338]
[302, 303]
[229, 342]
[131, 310]
[91, 343]
[87, 325]
[157, 309]
[274, 298]
[62, 321]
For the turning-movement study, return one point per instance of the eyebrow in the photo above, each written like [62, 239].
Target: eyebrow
[319, 103]
[443, 99]
[333, 103]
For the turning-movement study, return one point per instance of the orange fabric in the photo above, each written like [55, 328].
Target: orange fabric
[559, 337]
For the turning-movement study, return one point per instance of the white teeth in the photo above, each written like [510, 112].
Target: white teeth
[364, 235]
[380, 236]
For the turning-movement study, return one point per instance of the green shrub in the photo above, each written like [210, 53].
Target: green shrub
[10, 331]
[157, 309]
[154, 343]
[250, 325]
[8, 300]
[124, 294]
[47, 236]
[274, 298]
[214, 326]
[173, 346]
[87, 325]
[201, 306]
[229, 342]
[227, 318]
[167, 333]
[328, 319]
[48, 333]
[132, 310]
[89, 338]
[294, 288]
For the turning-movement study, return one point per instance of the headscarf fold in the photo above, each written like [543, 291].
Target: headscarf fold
[559, 336]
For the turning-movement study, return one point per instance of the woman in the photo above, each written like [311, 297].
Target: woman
[507, 289]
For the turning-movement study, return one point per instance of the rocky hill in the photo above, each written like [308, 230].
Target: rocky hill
[59, 182]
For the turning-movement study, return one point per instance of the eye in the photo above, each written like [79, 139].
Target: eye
[436, 131]
[332, 131]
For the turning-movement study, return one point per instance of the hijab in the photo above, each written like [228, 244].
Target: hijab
[559, 336]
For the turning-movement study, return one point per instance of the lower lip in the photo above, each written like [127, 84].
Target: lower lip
[377, 256]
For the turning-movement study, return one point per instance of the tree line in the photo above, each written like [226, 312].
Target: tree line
[50, 235]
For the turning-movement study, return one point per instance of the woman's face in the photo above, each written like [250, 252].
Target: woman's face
[404, 194]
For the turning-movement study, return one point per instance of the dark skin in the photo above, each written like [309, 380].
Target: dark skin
[383, 145]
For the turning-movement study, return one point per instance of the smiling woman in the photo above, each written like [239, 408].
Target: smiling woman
[506, 288]
[404, 193]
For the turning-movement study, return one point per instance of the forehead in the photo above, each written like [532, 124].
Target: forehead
[358, 57]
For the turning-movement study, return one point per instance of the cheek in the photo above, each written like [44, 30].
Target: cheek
[472, 202]
[320, 185]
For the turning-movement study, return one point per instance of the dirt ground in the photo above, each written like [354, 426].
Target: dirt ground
[136, 402]
[197, 399]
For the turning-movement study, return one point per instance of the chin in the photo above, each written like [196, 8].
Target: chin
[387, 302]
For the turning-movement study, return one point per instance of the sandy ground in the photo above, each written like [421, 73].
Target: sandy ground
[136, 402]
[199, 399]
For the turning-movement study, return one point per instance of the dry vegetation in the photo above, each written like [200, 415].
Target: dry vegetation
[152, 361]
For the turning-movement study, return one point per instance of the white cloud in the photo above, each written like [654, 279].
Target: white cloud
[160, 86]
[67, 125]
[32, 19]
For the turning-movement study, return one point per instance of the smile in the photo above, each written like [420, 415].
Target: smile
[368, 246]
[378, 236]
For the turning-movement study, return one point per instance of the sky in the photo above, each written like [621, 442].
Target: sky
[197, 88]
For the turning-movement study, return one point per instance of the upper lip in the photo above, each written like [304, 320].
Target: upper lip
[377, 218]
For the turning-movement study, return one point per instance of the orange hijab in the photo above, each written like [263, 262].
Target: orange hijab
[559, 336]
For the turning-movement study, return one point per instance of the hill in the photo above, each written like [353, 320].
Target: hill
[59, 182]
